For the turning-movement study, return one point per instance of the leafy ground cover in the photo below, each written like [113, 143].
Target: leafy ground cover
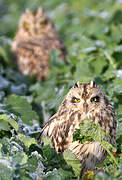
[92, 33]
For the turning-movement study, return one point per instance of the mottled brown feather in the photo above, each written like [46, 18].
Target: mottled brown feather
[33, 43]
[61, 126]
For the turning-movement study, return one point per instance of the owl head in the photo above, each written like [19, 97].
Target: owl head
[34, 23]
[86, 98]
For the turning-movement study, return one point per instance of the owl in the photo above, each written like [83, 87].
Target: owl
[83, 101]
[33, 42]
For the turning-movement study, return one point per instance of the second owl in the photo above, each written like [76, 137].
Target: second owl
[33, 42]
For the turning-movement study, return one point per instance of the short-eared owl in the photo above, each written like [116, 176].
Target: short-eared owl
[33, 42]
[83, 101]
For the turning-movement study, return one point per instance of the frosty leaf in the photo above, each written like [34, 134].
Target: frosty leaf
[6, 171]
[57, 174]
[19, 158]
[2, 95]
[32, 163]
[19, 90]
[89, 50]
[27, 141]
[102, 176]
[4, 83]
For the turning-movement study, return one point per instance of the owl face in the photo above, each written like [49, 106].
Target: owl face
[85, 98]
[34, 23]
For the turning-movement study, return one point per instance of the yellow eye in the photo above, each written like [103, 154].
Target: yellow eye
[95, 99]
[26, 25]
[44, 22]
[75, 100]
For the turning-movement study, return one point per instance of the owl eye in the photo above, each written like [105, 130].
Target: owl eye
[43, 22]
[26, 25]
[95, 99]
[75, 100]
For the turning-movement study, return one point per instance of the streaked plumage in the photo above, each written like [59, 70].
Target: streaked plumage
[84, 101]
[33, 42]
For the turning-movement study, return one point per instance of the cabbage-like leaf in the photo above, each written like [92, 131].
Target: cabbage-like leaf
[89, 131]
[20, 107]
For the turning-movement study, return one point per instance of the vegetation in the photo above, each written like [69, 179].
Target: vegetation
[92, 33]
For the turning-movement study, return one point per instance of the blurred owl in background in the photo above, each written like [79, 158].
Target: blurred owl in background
[33, 42]
[83, 101]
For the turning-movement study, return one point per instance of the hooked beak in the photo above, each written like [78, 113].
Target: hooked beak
[85, 107]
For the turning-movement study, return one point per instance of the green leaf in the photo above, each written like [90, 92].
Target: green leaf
[47, 141]
[27, 141]
[3, 54]
[4, 125]
[12, 122]
[83, 72]
[6, 171]
[4, 83]
[89, 131]
[57, 174]
[32, 163]
[102, 176]
[110, 59]
[20, 107]
[73, 162]
[97, 65]
[20, 158]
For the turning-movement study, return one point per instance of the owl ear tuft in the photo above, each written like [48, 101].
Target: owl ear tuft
[27, 11]
[40, 11]
[92, 84]
[77, 84]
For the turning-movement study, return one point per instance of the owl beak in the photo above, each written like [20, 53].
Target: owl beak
[85, 107]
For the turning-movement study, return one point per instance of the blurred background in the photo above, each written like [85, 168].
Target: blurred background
[92, 34]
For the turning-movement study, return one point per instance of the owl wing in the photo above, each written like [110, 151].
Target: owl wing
[31, 57]
[39, 47]
[60, 131]
[29, 47]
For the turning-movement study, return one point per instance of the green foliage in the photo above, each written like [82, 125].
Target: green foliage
[20, 107]
[72, 161]
[89, 131]
[8, 121]
[66, 162]
[92, 33]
